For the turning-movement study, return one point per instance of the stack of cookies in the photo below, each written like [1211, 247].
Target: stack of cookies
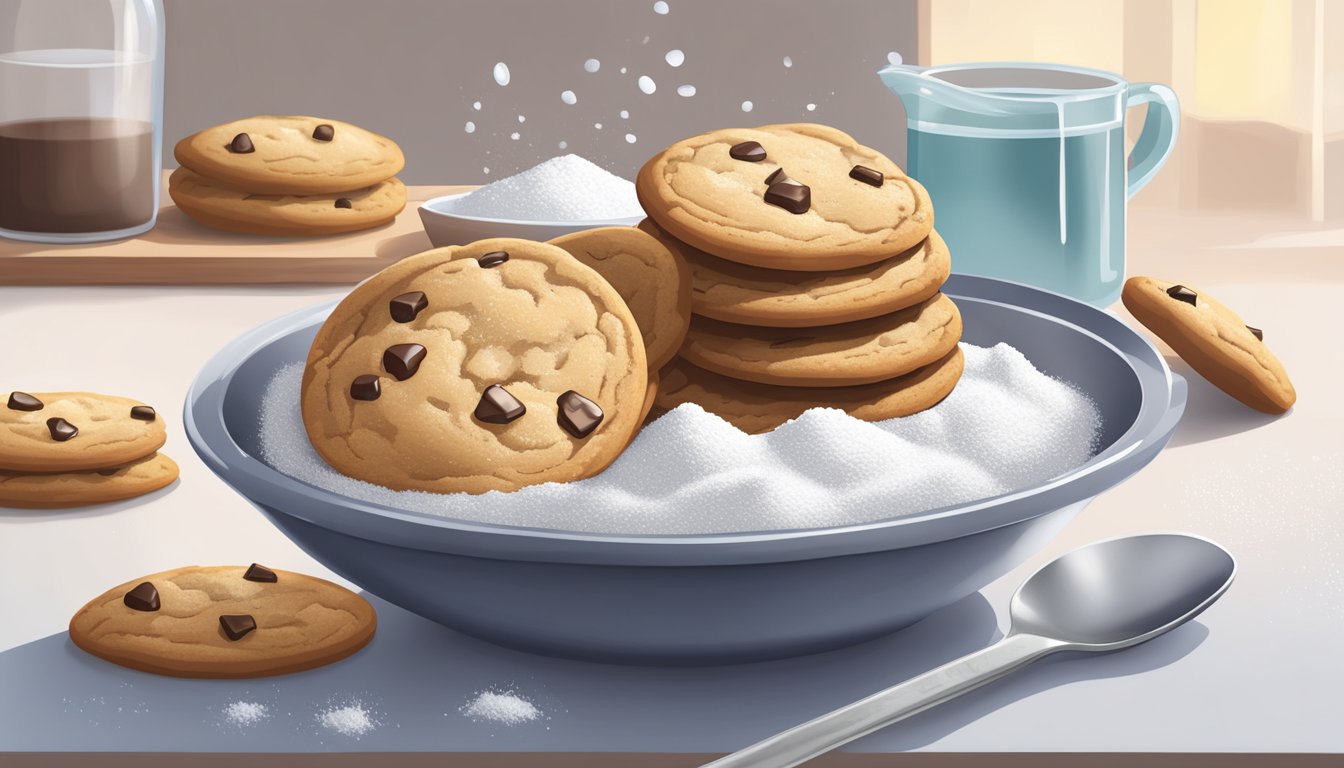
[288, 176]
[71, 449]
[816, 277]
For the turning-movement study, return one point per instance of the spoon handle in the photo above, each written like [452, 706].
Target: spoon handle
[819, 736]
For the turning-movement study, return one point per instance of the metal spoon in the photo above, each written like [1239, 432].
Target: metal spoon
[1102, 597]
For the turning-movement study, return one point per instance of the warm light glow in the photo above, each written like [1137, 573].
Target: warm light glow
[1088, 34]
[1244, 63]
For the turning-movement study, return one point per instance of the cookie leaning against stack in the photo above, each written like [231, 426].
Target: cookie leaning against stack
[815, 277]
[288, 176]
[70, 449]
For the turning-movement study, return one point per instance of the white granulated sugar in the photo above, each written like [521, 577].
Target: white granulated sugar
[811, 107]
[625, 114]
[565, 188]
[660, 8]
[245, 713]
[686, 90]
[646, 84]
[747, 106]
[515, 135]
[788, 62]
[624, 70]
[1005, 427]
[675, 57]
[522, 118]
[563, 144]
[894, 58]
[476, 105]
[470, 127]
[592, 65]
[353, 719]
[568, 97]
[506, 707]
[630, 138]
[502, 73]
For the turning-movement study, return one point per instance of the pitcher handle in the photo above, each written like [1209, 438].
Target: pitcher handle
[1160, 129]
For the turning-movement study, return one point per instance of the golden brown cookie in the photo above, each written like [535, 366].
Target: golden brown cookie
[73, 431]
[473, 368]
[755, 408]
[222, 207]
[79, 489]
[291, 155]
[224, 622]
[653, 280]
[1213, 340]
[862, 352]
[650, 395]
[736, 293]
[837, 205]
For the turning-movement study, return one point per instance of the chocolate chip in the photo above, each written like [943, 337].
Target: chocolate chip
[1256, 332]
[235, 626]
[751, 151]
[61, 430]
[779, 177]
[22, 401]
[405, 307]
[367, 387]
[578, 415]
[324, 132]
[143, 598]
[143, 413]
[344, 202]
[1181, 293]
[242, 145]
[791, 340]
[497, 406]
[791, 196]
[109, 472]
[866, 175]
[403, 360]
[493, 259]
[260, 573]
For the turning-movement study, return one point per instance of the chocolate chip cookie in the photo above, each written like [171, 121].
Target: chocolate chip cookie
[473, 368]
[862, 352]
[755, 408]
[736, 293]
[291, 155]
[223, 207]
[224, 622]
[74, 431]
[78, 489]
[1213, 340]
[654, 282]
[795, 197]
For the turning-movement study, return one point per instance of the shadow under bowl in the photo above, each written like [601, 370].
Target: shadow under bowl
[713, 598]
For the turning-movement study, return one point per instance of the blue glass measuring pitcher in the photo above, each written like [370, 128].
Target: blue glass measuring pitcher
[1025, 164]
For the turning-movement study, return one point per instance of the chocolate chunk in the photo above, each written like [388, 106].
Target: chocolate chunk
[403, 360]
[324, 132]
[751, 151]
[779, 177]
[1181, 293]
[143, 598]
[260, 573]
[143, 413]
[578, 415]
[1256, 332]
[789, 195]
[61, 430]
[22, 401]
[497, 406]
[493, 259]
[109, 472]
[866, 175]
[242, 145]
[366, 387]
[405, 307]
[235, 626]
[344, 202]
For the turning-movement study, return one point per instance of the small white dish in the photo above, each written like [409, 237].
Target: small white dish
[447, 228]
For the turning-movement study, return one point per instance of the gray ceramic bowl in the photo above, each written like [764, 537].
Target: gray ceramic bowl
[447, 228]
[714, 598]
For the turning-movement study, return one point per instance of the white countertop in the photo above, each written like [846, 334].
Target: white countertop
[1260, 671]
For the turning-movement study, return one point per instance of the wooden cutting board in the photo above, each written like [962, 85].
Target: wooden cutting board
[180, 251]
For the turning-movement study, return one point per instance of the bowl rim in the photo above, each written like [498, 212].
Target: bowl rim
[1163, 402]
[428, 206]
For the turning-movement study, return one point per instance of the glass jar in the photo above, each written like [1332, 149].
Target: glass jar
[81, 118]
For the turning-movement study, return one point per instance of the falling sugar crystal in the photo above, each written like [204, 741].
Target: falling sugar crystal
[563, 144]
[352, 720]
[565, 188]
[507, 708]
[515, 135]
[811, 107]
[625, 114]
[623, 70]
[568, 97]
[1005, 427]
[245, 713]
[598, 126]
[660, 8]
[470, 127]
[522, 118]
[502, 73]
[788, 62]
[629, 138]
[894, 58]
[476, 105]
[675, 57]
[747, 106]
[686, 90]
[646, 84]
[592, 65]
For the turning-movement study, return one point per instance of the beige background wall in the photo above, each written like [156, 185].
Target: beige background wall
[413, 68]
